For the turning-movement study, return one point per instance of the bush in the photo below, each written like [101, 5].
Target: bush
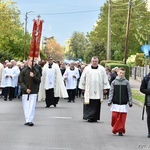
[103, 62]
[139, 59]
[131, 60]
[125, 66]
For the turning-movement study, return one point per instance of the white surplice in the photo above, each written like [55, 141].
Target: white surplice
[71, 82]
[8, 81]
[17, 73]
[59, 87]
[93, 81]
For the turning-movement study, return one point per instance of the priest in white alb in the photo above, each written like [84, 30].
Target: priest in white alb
[52, 86]
[94, 82]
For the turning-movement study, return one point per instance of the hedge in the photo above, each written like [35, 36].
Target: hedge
[103, 62]
[125, 66]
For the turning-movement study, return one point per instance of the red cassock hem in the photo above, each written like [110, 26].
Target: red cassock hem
[118, 122]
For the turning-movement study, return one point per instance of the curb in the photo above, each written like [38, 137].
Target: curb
[137, 103]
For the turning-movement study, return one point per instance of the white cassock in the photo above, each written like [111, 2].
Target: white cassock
[1, 70]
[17, 72]
[59, 87]
[8, 82]
[93, 81]
[71, 83]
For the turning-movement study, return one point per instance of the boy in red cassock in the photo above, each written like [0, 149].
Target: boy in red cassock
[119, 96]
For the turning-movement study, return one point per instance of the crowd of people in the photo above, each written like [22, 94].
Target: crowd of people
[51, 80]
[37, 81]
[10, 71]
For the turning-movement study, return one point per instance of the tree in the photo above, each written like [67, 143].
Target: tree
[139, 28]
[94, 50]
[77, 46]
[11, 31]
[54, 49]
[142, 17]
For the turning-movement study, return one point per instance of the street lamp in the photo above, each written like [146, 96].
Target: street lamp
[26, 19]
[25, 31]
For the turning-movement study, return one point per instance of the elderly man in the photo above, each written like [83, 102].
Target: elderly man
[8, 76]
[15, 82]
[71, 76]
[95, 82]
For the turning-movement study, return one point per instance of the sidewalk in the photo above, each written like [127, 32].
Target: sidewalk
[135, 84]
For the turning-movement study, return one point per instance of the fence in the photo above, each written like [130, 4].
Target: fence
[137, 73]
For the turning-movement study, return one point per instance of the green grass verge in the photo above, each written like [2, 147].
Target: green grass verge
[137, 95]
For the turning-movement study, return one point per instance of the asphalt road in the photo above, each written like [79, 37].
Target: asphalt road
[62, 128]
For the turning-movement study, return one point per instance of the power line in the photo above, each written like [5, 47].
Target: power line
[67, 13]
[134, 6]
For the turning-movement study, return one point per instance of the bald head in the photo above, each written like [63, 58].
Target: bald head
[9, 65]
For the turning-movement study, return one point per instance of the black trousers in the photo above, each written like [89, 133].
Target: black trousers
[148, 118]
[71, 94]
[50, 99]
[9, 92]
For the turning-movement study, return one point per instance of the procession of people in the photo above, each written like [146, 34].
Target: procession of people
[51, 82]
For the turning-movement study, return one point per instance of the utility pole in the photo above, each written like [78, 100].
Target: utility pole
[127, 31]
[109, 32]
[25, 32]
[25, 35]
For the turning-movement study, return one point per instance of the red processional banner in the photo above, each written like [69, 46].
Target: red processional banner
[36, 37]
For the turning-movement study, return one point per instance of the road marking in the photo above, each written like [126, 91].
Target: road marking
[59, 148]
[61, 117]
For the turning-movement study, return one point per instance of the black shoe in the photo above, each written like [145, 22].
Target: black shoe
[89, 120]
[69, 101]
[10, 99]
[54, 105]
[27, 123]
[5, 99]
[120, 134]
[73, 101]
[148, 135]
[47, 106]
[30, 124]
[92, 120]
